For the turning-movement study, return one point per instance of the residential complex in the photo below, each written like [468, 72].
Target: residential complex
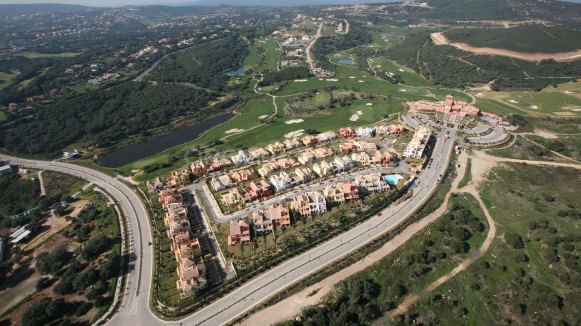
[191, 269]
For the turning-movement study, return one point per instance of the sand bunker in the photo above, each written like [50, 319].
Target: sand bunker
[360, 81]
[300, 80]
[401, 70]
[568, 92]
[403, 90]
[352, 77]
[263, 116]
[290, 122]
[294, 134]
[513, 101]
[233, 131]
[479, 94]
[534, 107]
[333, 80]
[369, 104]
[356, 116]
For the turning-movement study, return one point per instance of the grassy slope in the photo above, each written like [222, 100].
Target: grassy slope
[506, 289]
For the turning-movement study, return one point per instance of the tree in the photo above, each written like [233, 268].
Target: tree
[514, 240]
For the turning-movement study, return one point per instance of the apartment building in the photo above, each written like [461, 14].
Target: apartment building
[259, 190]
[362, 159]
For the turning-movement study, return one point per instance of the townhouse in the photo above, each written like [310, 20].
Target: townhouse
[371, 183]
[364, 146]
[241, 158]
[341, 192]
[323, 169]
[381, 158]
[222, 182]
[310, 140]
[322, 153]
[242, 176]
[291, 144]
[365, 132]
[270, 218]
[343, 164]
[259, 190]
[267, 169]
[326, 136]
[259, 154]
[362, 159]
[306, 157]
[276, 148]
[347, 133]
[309, 203]
[199, 168]
[304, 175]
[239, 233]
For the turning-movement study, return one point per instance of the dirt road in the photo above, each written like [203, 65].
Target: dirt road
[293, 305]
[441, 39]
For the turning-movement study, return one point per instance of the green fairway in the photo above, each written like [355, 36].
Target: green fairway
[33, 55]
[351, 77]
[547, 102]
[497, 107]
[7, 78]
[321, 122]
[2, 116]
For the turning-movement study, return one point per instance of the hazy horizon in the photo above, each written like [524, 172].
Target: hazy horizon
[120, 3]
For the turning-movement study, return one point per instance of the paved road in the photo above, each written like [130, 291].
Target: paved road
[135, 301]
[135, 309]
[318, 184]
[310, 62]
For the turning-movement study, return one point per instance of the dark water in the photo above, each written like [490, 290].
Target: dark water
[157, 144]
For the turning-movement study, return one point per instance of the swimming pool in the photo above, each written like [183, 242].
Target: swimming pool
[392, 179]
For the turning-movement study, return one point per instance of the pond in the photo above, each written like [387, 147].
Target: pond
[345, 61]
[237, 71]
[156, 144]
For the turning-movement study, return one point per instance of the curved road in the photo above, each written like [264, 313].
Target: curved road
[138, 280]
[135, 307]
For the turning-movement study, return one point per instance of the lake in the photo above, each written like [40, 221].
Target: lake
[156, 144]
[238, 71]
[345, 61]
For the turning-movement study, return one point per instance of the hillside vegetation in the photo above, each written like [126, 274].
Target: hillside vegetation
[449, 66]
[204, 66]
[526, 38]
[101, 118]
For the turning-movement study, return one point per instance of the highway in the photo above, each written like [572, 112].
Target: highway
[138, 286]
[135, 308]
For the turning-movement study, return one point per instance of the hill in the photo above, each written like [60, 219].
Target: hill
[525, 38]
